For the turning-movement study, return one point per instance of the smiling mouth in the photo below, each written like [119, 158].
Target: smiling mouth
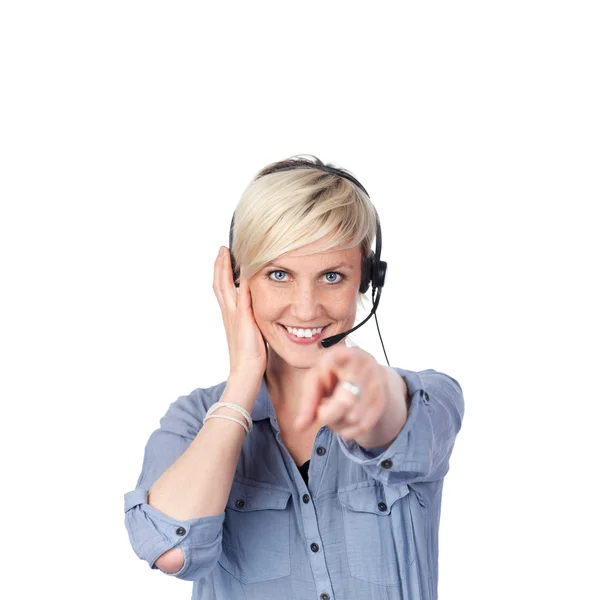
[303, 338]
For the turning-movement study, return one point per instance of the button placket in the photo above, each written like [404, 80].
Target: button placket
[309, 513]
[320, 451]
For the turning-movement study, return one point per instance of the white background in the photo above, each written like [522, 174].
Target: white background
[128, 131]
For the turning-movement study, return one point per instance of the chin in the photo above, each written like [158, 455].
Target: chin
[299, 357]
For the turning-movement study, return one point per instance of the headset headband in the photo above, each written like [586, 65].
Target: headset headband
[287, 166]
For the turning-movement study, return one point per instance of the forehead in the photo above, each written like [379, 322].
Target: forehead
[315, 255]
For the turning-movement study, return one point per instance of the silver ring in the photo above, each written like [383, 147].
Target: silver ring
[351, 387]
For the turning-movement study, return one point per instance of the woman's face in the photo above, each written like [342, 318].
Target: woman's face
[306, 292]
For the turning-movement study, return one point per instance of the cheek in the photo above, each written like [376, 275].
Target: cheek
[263, 305]
[347, 303]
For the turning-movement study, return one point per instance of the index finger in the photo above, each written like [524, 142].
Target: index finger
[320, 382]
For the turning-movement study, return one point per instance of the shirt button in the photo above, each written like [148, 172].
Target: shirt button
[382, 506]
[180, 531]
[324, 597]
[306, 498]
[426, 396]
[314, 547]
[387, 464]
[240, 503]
[321, 450]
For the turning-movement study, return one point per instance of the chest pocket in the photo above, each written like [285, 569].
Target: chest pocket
[256, 533]
[379, 532]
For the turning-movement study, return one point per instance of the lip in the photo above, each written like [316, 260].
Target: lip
[304, 341]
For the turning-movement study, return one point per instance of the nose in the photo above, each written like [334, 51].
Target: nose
[306, 304]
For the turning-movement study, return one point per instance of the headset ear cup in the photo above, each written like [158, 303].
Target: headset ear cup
[366, 273]
[236, 275]
[379, 274]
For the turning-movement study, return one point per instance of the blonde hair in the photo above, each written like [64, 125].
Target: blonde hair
[282, 211]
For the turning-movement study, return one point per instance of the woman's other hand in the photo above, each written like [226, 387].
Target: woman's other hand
[247, 347]
[374, 418]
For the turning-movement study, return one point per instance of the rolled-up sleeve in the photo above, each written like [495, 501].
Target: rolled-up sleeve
[422, 449]
[151, 532]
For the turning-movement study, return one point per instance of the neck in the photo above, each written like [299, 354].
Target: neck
[284, 384]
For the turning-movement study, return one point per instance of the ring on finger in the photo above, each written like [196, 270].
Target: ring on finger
[351, 387]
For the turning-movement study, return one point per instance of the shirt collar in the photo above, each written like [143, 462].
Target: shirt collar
[263, 407]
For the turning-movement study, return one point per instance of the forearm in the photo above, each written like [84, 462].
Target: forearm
[394, 416]
[198, 483]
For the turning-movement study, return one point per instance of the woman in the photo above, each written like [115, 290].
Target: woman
[311, 472]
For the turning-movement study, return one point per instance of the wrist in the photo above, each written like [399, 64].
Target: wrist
[229, 407]
[241, 390]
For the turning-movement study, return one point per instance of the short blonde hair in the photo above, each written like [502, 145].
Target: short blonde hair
[283, 210]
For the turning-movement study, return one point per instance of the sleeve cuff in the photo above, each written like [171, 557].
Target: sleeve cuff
[404, 454]
[152, 533]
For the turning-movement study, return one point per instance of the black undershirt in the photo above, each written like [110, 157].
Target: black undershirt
[304, 471]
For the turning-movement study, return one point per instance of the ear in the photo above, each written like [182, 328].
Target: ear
[366, 272]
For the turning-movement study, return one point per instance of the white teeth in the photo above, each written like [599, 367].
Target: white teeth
[302, 333]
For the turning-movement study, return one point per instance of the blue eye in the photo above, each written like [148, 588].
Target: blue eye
[277, 278]
[338, 277]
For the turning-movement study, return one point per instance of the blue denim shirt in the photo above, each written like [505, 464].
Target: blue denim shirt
[365, 527]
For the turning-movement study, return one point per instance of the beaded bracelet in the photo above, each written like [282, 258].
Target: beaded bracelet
[228, 418]
[235, 407]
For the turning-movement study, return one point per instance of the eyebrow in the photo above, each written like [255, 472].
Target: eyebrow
[328, 270]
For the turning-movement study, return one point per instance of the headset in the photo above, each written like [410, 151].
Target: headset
[373, 269]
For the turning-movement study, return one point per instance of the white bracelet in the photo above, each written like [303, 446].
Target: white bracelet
[228, 418]
[235, 407]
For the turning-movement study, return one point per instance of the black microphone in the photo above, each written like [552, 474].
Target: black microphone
[334, 339]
